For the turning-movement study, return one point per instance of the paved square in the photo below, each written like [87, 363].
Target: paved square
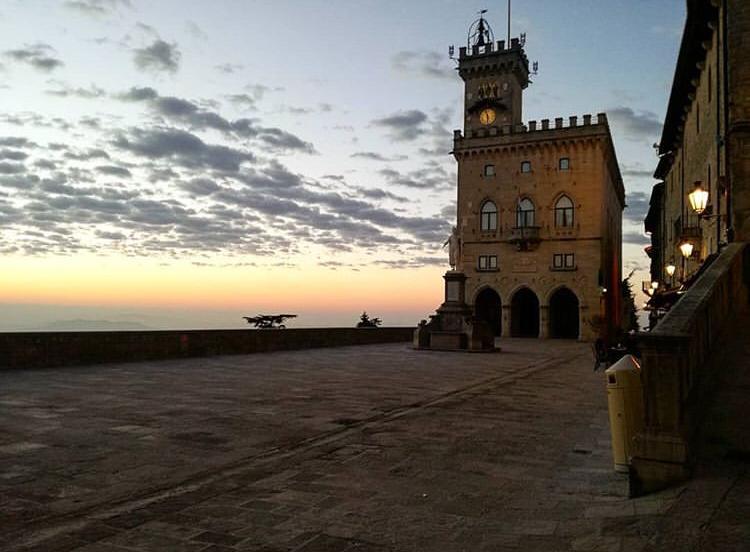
[355, 448]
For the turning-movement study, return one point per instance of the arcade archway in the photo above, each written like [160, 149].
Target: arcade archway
[563, 314]
[524, 314]
[488, 307]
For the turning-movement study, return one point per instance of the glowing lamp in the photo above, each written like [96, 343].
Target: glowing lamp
[698, 199]
[655, 285]
[687, 249]
[670, 269]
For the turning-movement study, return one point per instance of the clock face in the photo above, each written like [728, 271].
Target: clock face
[487, 116]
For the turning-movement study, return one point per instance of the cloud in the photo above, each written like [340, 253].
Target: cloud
[428, 64]
[636, 170]
[13, 155]
[39, 56]
[229, 68]
[179, 110]
[374, 156]
[11, 168]
[112, 170]
[636, 125]
[431, 177]
[379, 193]
[16, 142]
[195, 31]
[635, 238]
[637, 206]
[96, 8]
[181, 147]
[64, 90]
[404, 125]
[158, 56]
[243, 101]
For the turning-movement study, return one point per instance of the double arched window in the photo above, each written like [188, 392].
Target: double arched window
[488, 217]
[525, 213]
[564, 212]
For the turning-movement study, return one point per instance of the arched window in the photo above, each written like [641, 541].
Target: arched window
[564, 212]
[525, 213]
[488, 217]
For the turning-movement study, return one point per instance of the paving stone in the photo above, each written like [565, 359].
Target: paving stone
[269, 452]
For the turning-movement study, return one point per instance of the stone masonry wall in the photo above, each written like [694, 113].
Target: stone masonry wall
[738, 35]
[50, 349]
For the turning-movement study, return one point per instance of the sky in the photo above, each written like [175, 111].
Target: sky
[181, 164]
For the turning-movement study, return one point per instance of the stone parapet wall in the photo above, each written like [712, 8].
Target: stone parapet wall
[51, 349]
[676, 367]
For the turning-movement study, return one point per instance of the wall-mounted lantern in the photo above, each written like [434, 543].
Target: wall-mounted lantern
[687, 249]
[698, 198]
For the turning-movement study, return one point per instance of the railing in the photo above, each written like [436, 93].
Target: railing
[524, 234]
[676, 358]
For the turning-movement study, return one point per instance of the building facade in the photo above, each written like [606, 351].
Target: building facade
[705, 144]
[539, 207]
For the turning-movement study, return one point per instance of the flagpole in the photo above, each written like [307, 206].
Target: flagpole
[508, 43]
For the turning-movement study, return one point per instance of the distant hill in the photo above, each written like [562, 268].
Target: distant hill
[79, 325]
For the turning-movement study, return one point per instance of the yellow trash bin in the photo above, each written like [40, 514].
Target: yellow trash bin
[625, 397]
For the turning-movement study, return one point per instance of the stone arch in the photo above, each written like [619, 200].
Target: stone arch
[488, 307]
[564, 313]
[524, 313]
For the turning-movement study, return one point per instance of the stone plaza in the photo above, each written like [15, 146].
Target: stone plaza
[374, 447]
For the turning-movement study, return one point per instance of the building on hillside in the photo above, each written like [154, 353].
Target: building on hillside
[703, 198]
[539, 206]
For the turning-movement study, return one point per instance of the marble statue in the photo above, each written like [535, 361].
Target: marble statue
[454, 248]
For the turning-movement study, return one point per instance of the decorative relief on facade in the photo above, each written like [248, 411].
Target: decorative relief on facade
[524, 265]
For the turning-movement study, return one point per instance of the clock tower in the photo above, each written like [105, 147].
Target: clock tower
[494, 75]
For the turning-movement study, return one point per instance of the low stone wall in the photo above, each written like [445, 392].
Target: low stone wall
[50, 349]
[676, 368]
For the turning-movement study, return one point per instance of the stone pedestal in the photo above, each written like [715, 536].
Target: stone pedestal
[452, 314]
[453, 327]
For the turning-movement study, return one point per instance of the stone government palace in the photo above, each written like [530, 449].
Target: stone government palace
[539, 205]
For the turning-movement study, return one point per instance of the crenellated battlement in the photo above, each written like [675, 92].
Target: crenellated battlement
[559, 123]
[490, 48]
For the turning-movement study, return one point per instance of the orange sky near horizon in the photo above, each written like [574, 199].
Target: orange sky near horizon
[110, 281]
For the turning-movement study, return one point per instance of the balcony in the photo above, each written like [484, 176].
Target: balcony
[525, 237]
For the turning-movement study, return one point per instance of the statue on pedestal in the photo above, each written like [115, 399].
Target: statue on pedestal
[454, 248]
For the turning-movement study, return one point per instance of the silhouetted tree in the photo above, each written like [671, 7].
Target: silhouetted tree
[269, 321]
[630, 310]
[366, 322]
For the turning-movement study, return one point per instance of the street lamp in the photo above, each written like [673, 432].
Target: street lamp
[687, 249]
[698, 198]
[654, 285]
[670, 269]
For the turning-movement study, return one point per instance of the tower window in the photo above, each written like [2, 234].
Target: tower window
[487, 262]
[525, 213]
[564, 212]
[526, 166]
[564, 163]
[488, 217]
[489, 170]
